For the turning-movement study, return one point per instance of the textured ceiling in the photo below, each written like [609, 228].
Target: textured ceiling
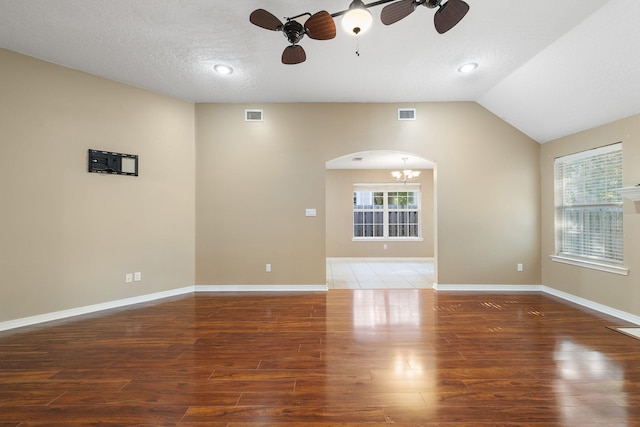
[548, 68]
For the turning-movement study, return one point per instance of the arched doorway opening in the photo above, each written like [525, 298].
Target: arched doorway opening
[385, 243]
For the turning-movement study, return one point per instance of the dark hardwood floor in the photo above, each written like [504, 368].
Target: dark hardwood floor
[345, 357]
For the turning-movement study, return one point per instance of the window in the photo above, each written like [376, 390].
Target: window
[386, 211]
[588, 211]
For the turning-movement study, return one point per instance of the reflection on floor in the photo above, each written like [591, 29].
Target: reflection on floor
[383, 273]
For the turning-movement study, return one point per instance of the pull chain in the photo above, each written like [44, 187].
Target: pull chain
[357, 45]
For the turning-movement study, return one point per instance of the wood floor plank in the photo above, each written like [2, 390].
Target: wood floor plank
[514, 415]
[154, 393]
[356, 399]
[293, 414]
[96, 414]
[342, 358]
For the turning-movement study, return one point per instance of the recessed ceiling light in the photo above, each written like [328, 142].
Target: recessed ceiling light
[469, 67]
[223, 69]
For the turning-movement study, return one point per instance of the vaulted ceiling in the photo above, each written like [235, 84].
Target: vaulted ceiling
[548, 68]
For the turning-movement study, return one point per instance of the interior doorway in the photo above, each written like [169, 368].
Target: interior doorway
[392, 260]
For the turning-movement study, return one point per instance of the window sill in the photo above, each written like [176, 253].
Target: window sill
[609, 268]
[387, 239]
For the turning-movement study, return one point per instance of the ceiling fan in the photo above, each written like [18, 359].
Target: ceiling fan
[320, 25]
[445, 18]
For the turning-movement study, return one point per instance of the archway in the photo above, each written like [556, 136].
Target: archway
[373, 168]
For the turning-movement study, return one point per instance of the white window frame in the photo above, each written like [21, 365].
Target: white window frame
[386, 189]
[581, 199]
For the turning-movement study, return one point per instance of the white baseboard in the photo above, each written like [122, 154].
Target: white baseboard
[57, 315]
[63, 314]
[261, 288]
[604, 309]
[487, 288]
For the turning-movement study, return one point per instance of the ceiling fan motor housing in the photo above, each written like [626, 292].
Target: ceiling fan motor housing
[432, 4]
[293, 31]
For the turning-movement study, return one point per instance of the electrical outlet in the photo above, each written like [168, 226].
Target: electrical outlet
[137, 276]
[520, 267]
[128, 278]
[268, 268]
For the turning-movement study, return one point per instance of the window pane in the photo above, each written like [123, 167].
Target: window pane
[392, 200]
[378, 200]
[368, 230]
[368, 217]
[412, 200]
[358, 217]
[362, 200]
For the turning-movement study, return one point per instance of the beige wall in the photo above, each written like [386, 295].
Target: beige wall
[620, 292]
[68, 236]
[254, 181]
[339, 210]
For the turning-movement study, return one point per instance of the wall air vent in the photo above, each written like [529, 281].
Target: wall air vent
[253, 115]
[406, 113]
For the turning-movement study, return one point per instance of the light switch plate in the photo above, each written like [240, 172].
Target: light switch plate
[310, 212]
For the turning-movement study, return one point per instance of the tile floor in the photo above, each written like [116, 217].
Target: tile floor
[372, 273]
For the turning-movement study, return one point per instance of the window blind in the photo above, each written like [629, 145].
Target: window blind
[589, 217]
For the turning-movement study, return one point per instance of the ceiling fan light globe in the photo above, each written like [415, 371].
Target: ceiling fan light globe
[356, 21]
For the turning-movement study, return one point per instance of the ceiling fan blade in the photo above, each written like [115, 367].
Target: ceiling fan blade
[394, 12]
[293, 54]
[320, 26]
[449, 15]
[264, 19]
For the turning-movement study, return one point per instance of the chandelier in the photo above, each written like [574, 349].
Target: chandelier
[406, 174]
